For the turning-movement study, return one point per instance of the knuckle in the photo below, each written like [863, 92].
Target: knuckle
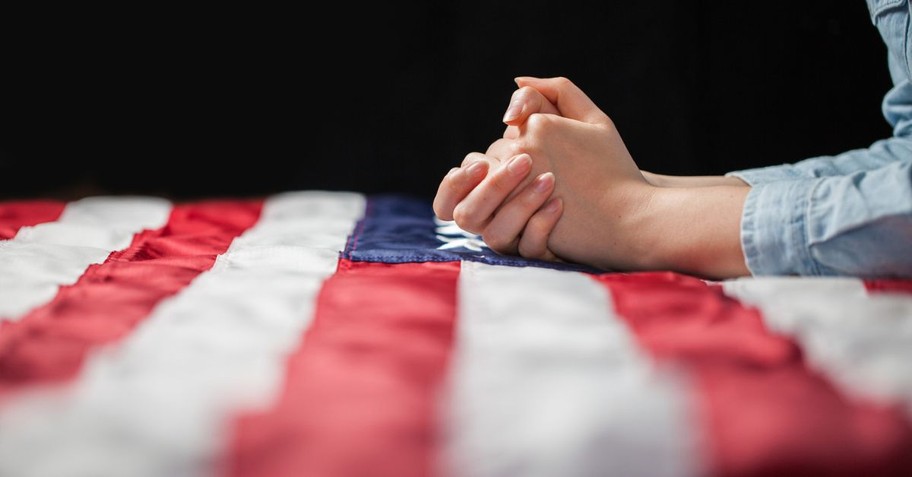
[465, 219]
[515, 147]
[539, 123]
[563, 82]
[500, 148]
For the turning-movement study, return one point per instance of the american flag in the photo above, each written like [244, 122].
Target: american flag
[322, 333]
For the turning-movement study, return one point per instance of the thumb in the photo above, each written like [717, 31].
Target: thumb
[525, 102]
[571, 101]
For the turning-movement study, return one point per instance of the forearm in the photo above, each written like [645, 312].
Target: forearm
[636, 226]
[694, 230]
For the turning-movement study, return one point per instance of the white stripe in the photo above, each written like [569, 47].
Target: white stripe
[157, 404]
[547, 381]
[41, 258]
[862, 342]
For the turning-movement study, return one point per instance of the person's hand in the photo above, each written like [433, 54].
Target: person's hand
[527, 101]
[601, 187]
[613, 218]
[506, 206]
[497, 198]
[487, 196]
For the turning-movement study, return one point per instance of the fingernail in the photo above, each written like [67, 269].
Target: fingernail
[513, 110]
[544, 182]
[476, 169]
[520, 164]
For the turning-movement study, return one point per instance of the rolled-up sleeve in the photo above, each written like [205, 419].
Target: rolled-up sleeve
[857, 224]
[880, 154]
[847, 214]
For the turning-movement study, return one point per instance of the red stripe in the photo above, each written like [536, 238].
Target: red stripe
[17, 214]
[360, 390]
[889, 286]
[765, 411]
[50, 343]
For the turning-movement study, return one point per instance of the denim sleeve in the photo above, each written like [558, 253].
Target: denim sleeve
[858, 224]
[848, 214]
[880, 154]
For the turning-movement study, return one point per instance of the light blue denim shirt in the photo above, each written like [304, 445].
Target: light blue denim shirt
[849, 214]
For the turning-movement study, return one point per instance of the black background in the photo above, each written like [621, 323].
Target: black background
[387, 97]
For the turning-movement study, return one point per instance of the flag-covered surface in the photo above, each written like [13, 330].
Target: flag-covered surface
[335, 334]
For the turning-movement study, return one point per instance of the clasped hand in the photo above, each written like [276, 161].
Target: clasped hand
[559, 185]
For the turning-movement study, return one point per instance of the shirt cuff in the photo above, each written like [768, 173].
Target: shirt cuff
[765, 175]
[774, 229]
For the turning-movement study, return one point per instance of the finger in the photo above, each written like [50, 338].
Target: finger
[534, 240]
[511, 132]
[524, 102]
[506, 149]
[503, 232]
[456, 185]
[569, 100]
[477, 209]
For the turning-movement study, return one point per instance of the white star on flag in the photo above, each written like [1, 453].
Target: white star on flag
[454, 237]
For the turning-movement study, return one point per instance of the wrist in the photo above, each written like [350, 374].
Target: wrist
[694, 230]
[631, 222]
